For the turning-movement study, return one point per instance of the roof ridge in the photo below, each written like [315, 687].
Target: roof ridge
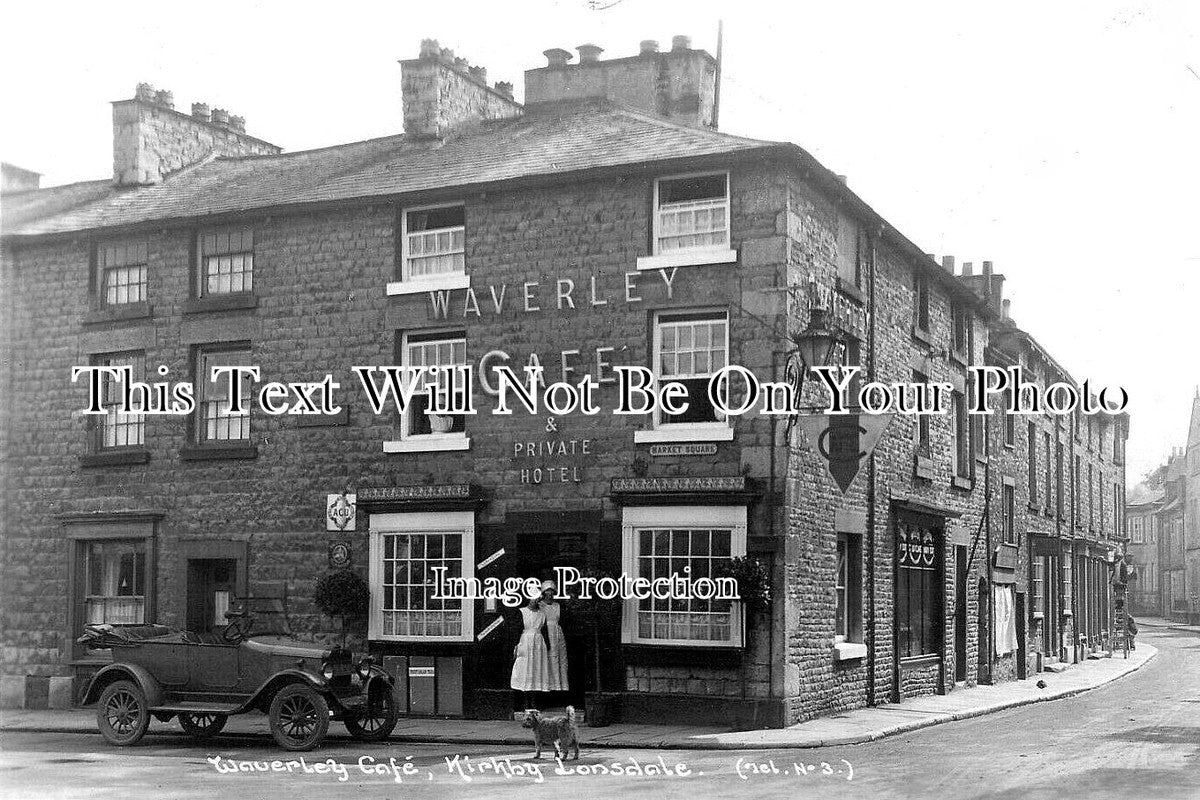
[289, 153]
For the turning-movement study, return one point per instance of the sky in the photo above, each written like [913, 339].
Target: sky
[1059, 140]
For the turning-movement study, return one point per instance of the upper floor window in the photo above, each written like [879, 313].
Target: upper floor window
[122, 272]
[1010, 513]
[962, 436]
[116, 428]
[921, 303]
[924, 447]
[435, 431]
[689, 349]
[960, 325]
[1031, 467]
[227, 261]
[854, 249]
[433, 242]
[216, 421]
[691, 212]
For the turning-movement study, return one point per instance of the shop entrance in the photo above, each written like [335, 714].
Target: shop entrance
[538, 553]
[210, 590]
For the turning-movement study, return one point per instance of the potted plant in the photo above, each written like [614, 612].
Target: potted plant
[441, 423]
[754, 588]
[596, 614]
[342, 594]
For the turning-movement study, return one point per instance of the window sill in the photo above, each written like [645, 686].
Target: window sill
[439, 283]
[908, 662]
[115, 458]
[922, 336]
[430, 445]
[1010, 446]
[716, 433]
[962, 483]
[687, 258]
[212, 452]
[958, 357]
[846, 651]
[121, 313]
[221, 302]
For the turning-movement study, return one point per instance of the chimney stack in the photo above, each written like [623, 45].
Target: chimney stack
[968, 269]
[948, 264]
[679, 85]
[1006, 309]
[442, 94]
[151, 139]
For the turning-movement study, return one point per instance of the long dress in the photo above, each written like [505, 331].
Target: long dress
[531, 668]
[558, 647]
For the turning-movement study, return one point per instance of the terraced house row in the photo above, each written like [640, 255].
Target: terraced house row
[605, 221]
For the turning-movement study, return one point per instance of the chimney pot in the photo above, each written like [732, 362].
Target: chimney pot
[446, 56]
[1006, 308]
[164, 98]
[220, 117]
[557, 57]
[201, 111]
[649, 47]
[462, 65]
[948, 264]
[237, 123]
[505, 88]
[968, 268]
[144, 92]
[842, 178]
[479, 74]
[681, 43]
[430, 49]
[589, 53]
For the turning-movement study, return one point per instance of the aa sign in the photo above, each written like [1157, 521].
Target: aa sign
[844, 441]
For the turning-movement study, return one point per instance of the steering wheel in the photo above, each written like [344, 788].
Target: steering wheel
[238, 628]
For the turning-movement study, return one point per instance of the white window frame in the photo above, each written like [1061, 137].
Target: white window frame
[458, 522]
[135, 291]
[693, 256]
[114, 421]
[443, 282]
[716, 431]
[246, 256]
[636, 518]
[203, 387]
[427, 442]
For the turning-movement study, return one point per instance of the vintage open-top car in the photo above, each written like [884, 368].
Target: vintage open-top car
[203, 678]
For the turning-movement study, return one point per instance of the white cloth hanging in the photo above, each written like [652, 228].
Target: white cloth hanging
[1003, 606]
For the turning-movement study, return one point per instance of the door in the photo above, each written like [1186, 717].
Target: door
[1051, 641]
[984, 638]
[960, 613]
[1022, 618]
[210, 587]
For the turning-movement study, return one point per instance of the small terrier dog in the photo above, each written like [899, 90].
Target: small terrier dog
[560, 732]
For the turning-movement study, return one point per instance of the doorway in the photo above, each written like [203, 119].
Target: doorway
[1022, 666]
[210, 591]
[960, 613]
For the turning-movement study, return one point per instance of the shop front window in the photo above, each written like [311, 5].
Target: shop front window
[918, 590]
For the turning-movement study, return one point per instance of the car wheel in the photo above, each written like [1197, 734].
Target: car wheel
[299, 717]
[379, 720]
[202, 726]
[122, 713]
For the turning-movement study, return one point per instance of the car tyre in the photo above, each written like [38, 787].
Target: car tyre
[202, 726]
[377, 724]
[122, 713]
[299, 717]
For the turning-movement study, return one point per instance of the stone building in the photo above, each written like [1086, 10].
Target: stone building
[1143, 523]
[603, 222]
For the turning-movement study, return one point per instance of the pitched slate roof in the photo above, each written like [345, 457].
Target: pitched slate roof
[548, 140]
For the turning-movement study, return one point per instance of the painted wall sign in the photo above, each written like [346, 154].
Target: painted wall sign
[420, 672]
[1005, 556]
[691, 449]
[545, 458]
[340, 512]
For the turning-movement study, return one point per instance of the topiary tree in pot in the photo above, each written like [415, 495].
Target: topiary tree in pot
[342, 594]
[754, 588]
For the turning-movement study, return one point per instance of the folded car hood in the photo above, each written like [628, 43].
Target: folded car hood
[285, 646]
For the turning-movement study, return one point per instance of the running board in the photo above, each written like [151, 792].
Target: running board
[200, 708]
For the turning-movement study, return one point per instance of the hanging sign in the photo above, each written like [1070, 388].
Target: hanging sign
[844, 441]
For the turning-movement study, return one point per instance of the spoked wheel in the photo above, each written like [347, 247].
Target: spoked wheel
[299, 717]
[379, 720]
[122, 714]
[202, 726]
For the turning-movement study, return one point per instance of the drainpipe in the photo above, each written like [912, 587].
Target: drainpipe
[869, 634]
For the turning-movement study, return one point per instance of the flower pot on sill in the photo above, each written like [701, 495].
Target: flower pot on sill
[440, 423]
[601, 708]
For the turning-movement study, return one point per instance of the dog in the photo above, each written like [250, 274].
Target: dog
[561, 732]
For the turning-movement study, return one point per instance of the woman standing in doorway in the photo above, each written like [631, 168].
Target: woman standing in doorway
[555, 640]
[531, 661]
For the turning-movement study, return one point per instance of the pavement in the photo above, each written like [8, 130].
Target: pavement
[851, 727]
